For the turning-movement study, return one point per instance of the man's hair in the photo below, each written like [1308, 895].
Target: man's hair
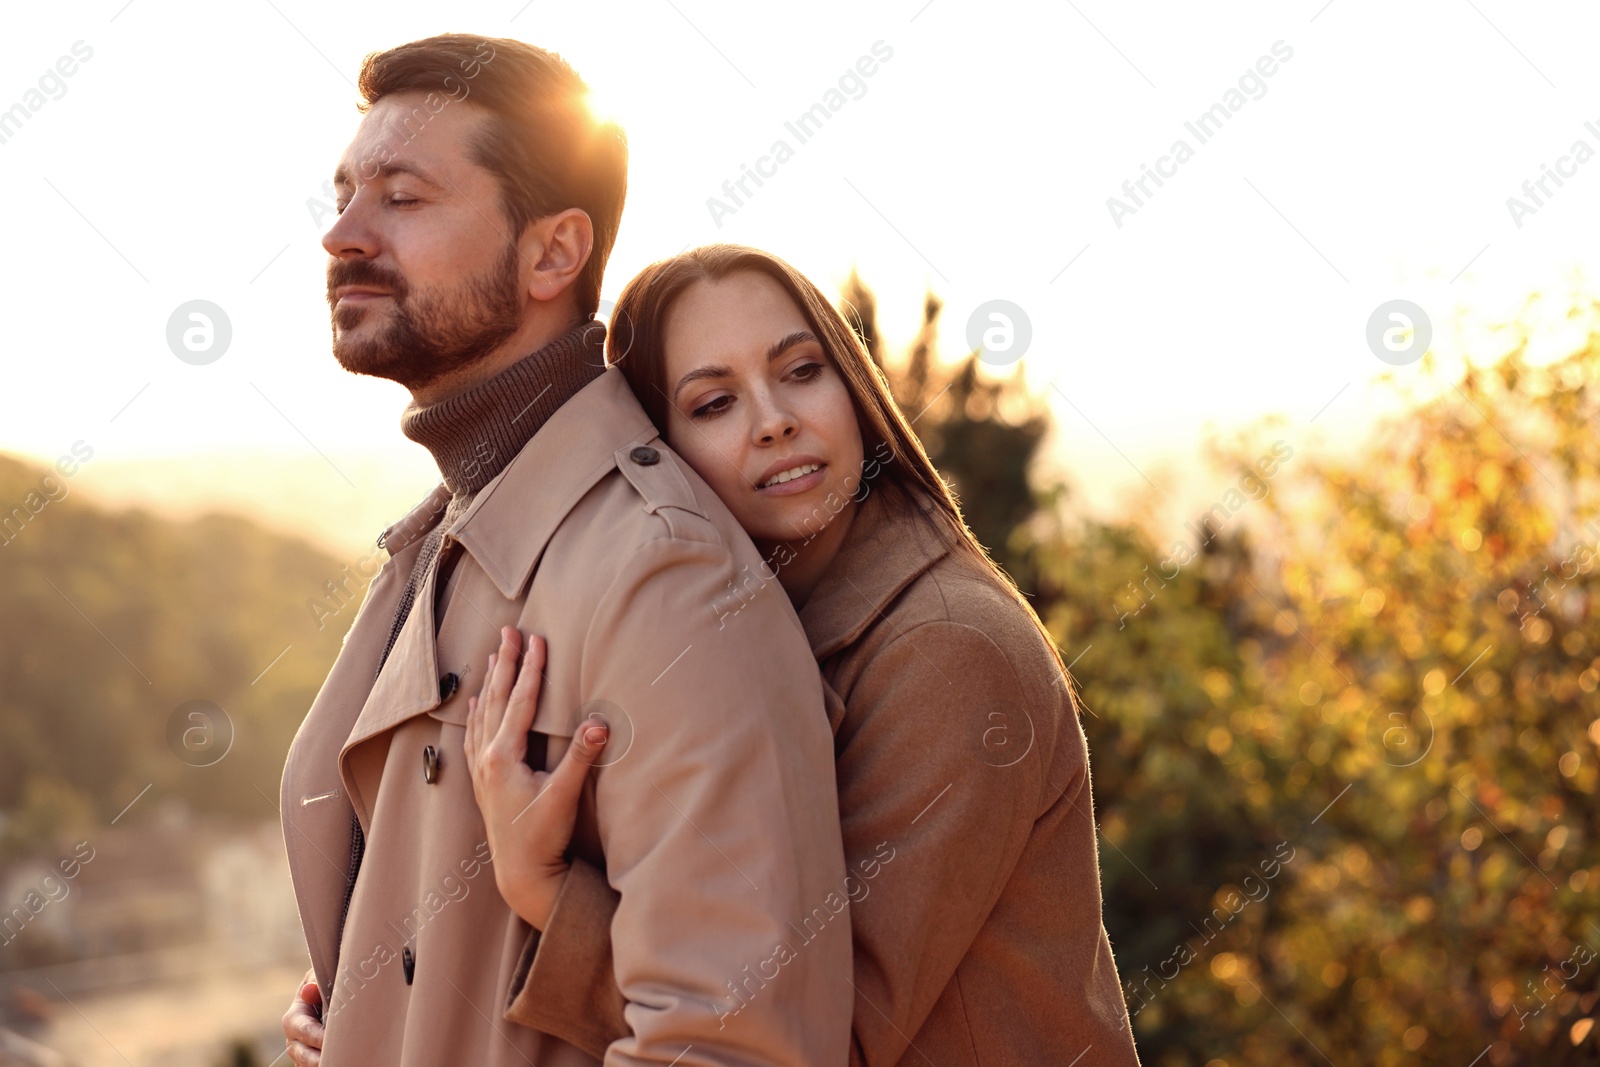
[542, 142]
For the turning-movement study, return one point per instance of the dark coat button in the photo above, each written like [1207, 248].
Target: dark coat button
[448, 685]
[644, 456]
[408, 961]
[430, 764]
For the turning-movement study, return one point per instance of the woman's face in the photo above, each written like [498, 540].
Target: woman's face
[757, 407]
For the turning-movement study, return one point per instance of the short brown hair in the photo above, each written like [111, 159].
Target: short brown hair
[544, 144]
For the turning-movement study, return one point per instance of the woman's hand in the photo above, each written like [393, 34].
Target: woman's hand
[529, 814]
[302, 1024]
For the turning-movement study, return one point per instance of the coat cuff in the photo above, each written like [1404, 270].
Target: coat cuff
[564, 983]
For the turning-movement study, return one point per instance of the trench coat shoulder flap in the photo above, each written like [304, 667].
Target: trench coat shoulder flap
[596, 434]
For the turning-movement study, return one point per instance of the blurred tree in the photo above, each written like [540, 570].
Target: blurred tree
[1396, 703]
[982, 434]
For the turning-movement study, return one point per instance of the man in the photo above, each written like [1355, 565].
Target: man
[478, 203]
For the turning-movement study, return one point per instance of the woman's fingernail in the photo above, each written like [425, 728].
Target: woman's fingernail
[595, 736]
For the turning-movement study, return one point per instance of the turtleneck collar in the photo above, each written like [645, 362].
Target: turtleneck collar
[474, 434]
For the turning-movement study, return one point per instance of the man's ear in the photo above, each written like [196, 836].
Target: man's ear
[558, 246]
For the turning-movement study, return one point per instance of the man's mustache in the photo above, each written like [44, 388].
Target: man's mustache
[363, 272]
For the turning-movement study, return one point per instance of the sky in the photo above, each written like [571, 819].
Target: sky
[1359, 153]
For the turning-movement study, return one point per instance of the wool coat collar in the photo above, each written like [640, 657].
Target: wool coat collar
[887, 546]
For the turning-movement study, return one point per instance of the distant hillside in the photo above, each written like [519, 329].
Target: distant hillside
[297, 493]
[112, 619]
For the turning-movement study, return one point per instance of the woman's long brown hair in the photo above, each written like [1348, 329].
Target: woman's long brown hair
[636, 344]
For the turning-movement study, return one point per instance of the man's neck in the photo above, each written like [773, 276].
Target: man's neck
[534, 334]
[472, 434]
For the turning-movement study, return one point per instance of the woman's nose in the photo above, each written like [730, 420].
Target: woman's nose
[776, 424]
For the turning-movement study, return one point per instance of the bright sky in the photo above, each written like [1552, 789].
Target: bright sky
[1374, 163]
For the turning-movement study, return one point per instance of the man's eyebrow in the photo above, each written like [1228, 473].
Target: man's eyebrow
[341, 174]
[717, 370]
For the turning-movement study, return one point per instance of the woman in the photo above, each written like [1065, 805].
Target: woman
[963, 774]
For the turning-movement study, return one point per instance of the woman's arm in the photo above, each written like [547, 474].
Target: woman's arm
[530, 817]
[940, 777]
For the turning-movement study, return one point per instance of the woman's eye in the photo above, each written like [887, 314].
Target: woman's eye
[401, 200]
[712, 407]
[806, 372]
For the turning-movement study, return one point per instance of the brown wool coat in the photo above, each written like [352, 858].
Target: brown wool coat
[968, 828]
[714, 816]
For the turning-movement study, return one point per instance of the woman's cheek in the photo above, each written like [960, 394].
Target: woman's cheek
[711, 449]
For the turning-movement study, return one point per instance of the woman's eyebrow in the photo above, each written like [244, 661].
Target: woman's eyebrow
[718, 370]
[710, 370]
[799, 337]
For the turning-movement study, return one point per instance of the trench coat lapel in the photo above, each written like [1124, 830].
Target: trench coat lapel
[504, 531]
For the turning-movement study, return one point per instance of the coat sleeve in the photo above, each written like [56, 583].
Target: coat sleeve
[938, 775]
[564, 983]
[939, 767]
[719, 822]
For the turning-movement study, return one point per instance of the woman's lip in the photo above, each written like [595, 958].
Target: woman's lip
[796, 485]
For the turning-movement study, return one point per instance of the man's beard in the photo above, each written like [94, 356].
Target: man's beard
[429, 334]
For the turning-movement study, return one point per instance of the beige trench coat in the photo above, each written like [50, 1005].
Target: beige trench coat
[968, 828]
[714, 814]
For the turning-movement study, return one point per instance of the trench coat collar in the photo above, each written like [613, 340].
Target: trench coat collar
[887, 547]
[513, 517]
[510, 519]
[505, 530]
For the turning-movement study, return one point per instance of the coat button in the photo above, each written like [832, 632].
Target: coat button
[644, 456]
[430, 764]
[448, 685]
[408, 961]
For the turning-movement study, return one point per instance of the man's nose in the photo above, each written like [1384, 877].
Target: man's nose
[350, 236]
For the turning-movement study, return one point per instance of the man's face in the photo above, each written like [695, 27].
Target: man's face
[425, 277]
